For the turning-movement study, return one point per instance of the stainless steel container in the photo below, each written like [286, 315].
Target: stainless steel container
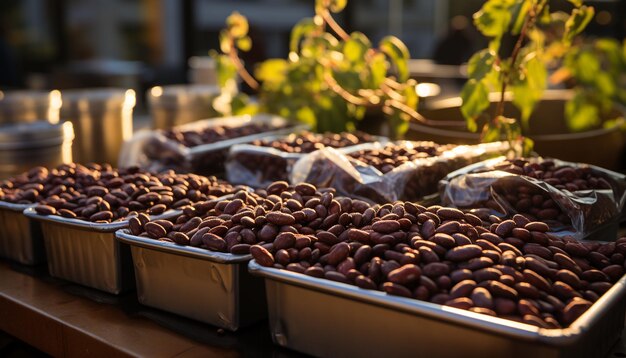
[174, 105]
[27, 145]
[29, 106]
[211, 287]
[102, 119]
[330, 319]
[20, 237]
[87, 253]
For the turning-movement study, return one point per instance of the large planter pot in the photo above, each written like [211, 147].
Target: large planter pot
[548, 129]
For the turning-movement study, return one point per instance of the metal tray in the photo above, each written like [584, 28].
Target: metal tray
[20, 237]
[88, 253]
[237, 172]
[326, 318]
[211, 287]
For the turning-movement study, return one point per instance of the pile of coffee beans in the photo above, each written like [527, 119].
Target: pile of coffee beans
[518, 195]
[206, 162]
[101, 193]
[394, 155]
[563, 177]
[514, 269]
[276, 216]
[307, 142]
[193, 138]
[258, 168]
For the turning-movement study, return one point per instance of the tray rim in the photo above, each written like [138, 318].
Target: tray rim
[451, 315]
[91, 226]
[124, 236]
[5, 205]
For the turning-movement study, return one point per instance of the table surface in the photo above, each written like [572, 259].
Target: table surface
[63, 319]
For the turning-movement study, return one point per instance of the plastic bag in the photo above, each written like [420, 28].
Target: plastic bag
[259, 165]
[495, 187]
[414, 180]
[165, 149]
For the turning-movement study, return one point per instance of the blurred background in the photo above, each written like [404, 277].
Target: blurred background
[119, 66]
[46, 44]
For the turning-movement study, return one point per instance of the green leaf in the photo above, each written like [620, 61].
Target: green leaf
[355, 48]
[472, 125]
[616, 122]
[581, 114]
[527, 146]
[304, 28]
[244, 43]
[490, 133]
[237, 25]
[520, 10]
[475, 97]
[333, 5]
[225, 42]
[338, 5]
[272, 71]
[577, 22]
[529, 89]
[587, 65]
[604, 83]
[225, 69]
[480, 64]
[398, 53]
[378, 70]
[306, 115]
[494, 18]
[577, 3]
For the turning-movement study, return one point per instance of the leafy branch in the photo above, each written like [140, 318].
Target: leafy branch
[524, 71]
[331, 77]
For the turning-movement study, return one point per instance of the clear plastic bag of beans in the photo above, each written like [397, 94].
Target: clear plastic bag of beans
[202, 146]
[271, 159]
[386, 172]
[572, 198]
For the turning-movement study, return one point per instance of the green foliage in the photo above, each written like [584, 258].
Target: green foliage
[524, 71]
[330, 77]
[599, 72]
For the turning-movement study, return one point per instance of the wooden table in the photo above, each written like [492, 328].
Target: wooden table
[62, 319]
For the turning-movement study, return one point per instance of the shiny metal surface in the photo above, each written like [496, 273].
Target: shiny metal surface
[326, 318]
[20, 237]
[174, 105]
[27, 106]
[210, 287]
[27, 145]
[87, 253]
[102, 120]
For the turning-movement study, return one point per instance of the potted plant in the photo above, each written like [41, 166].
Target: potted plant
[331, 78]
[505, 95]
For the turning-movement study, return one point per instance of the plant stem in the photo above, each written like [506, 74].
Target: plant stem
[518, 45]
[328, 18]
[241, 70]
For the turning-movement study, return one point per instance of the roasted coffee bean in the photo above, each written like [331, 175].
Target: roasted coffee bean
[482, 298]
[262, 256]
[45, 210]
[464, 253]
[405, 275]
[155, 230]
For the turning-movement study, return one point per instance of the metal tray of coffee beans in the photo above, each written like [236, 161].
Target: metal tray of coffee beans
[208, 286]
[20, 237]
[87, 253]
[330, 319]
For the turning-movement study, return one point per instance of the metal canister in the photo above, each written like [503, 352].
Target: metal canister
[27, 145]
[179, 104]
[103, 120]
[29, 106]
